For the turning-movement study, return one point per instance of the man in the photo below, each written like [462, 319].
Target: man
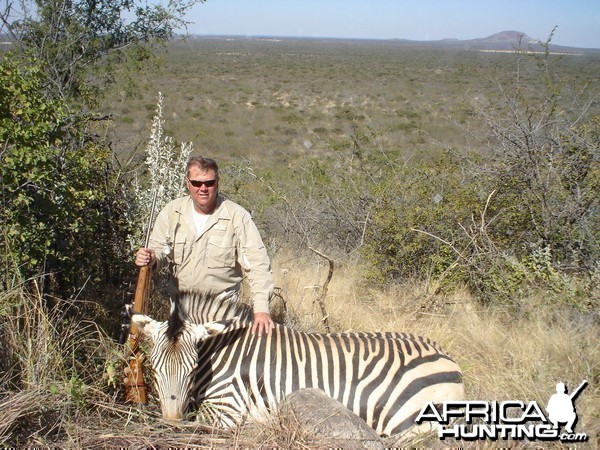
[210, 242]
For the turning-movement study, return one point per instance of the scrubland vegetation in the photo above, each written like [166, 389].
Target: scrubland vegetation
[455, 192]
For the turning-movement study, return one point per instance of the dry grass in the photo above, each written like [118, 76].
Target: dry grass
[59, 392]
[503, 356]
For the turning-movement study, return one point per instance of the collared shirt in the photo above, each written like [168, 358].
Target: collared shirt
[228, 248]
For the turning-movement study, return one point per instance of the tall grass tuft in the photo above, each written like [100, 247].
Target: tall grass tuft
[52, 366]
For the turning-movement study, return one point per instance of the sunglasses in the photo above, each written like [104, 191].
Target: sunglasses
[199, 183]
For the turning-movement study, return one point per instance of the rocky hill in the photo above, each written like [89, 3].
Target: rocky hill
[502, 41]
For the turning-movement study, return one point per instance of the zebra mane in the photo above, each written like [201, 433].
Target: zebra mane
[176, 322]
[201, 307]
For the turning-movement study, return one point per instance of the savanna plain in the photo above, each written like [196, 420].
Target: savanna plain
[387, 166]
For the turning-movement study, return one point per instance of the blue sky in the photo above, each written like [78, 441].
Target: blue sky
[578, 21]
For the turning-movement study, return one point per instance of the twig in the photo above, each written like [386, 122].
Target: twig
[323, 294]
[441, 240]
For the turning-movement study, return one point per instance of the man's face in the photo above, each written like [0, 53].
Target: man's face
[204, 197]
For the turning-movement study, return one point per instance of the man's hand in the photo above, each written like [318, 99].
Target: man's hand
[144, 257]
[262, 323]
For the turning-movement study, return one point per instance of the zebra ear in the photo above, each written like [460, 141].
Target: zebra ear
[218, 327]
[145, 324]
[203, 331]
[215, 327]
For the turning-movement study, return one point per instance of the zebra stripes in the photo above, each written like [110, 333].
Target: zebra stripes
[385, 378]
[202, 307]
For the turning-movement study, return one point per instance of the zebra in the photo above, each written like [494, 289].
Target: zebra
[386, 378]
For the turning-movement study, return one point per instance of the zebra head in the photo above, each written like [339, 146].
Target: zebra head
[174, 358]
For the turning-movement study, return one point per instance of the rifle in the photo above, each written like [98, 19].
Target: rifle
[135, 387]
[577, 391]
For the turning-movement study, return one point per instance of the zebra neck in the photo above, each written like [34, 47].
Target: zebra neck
[207, 307]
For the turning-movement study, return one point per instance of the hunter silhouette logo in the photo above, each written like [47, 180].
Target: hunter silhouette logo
[511, 419]
[561, 406]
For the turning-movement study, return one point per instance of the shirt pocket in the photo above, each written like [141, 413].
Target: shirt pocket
[180, 251]
[220, 253]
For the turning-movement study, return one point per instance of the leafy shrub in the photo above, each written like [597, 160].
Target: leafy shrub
[544, 167]
[414, 228]
[62, 208]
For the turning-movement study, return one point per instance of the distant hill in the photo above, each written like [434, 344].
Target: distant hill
[503, 41]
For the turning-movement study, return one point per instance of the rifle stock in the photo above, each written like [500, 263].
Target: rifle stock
[135, 387]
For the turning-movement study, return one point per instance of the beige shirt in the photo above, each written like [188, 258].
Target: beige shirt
[229, 247]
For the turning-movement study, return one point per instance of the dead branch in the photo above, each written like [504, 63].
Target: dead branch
[323, 294]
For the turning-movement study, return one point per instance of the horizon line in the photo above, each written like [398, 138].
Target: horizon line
[274, 36]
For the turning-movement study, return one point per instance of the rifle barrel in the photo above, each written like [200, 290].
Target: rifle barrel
[580, 388]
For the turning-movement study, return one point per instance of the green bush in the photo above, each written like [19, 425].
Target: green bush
[61, 208]
[415, 225]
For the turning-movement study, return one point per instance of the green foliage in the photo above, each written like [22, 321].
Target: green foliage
[80, 43]
[56, 187]
[544, 168]
[418, 214]
[517, 215]
[76, 391]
